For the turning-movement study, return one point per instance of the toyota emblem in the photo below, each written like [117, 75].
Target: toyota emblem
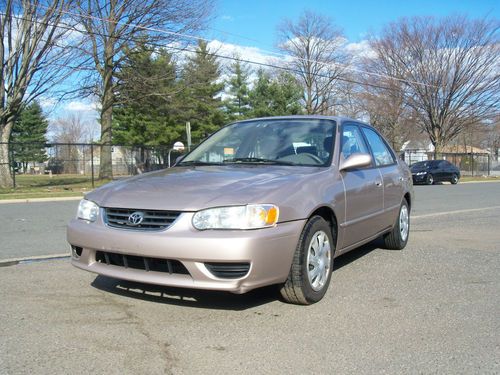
[135, 218]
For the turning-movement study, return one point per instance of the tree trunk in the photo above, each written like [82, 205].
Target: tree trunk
[438, 148]
[106, 166]
[5, 170]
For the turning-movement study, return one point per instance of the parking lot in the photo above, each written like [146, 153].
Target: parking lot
[431, 308]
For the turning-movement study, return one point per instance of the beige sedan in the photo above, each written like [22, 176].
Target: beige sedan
[260, 202]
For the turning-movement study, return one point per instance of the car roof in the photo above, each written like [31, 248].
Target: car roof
[338, 119]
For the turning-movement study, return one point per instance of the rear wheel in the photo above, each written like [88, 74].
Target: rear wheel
[454, 179]
[312, 264]
[398, 237]
[429, 180]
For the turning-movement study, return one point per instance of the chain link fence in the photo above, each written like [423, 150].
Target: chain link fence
[83, 159]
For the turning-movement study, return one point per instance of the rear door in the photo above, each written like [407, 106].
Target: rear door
[363, 191]
[437, 170]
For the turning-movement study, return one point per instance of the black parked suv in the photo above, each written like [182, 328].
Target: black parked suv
[431, 171]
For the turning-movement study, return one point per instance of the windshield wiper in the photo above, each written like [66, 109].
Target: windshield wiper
[251, 160]
[196, 162]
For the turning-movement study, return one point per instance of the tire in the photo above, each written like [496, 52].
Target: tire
[301, 287]
[398, 237]
[429, 180]
[454, 179]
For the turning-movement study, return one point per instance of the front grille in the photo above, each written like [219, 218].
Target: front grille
[141, 263]
[228, 270]
[153, 220]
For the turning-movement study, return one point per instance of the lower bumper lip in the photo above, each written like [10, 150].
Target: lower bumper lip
[268, 251]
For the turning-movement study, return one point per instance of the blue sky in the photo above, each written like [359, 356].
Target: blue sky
[256, 20]
[248, 27]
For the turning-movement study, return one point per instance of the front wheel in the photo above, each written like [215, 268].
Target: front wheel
[429, 179]
[398, 237]
[312, 264]
[454, 179]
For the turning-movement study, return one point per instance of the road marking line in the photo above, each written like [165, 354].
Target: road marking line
[13, 261]
[455, 212]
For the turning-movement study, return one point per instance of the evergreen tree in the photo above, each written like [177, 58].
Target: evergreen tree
[278, 96]
[238, 105]
[287, 93]
[200, 101]
[260, 95]
[29, 136]
[147, 86]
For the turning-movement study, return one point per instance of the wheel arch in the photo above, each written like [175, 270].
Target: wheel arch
[407, 196]
[329, 215]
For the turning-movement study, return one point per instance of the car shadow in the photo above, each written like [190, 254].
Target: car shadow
[353, 255]
[207, 299]
[203, 299]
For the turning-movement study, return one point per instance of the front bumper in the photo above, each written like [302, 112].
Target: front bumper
[269, 252]
[419, 179]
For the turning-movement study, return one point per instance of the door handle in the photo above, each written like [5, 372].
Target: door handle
[378, 183]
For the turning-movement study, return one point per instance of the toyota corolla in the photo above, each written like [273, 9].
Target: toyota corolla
[260, 202]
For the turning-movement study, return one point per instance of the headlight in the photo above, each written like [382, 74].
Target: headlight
[421, 173]
[87, 210]
[252, 216]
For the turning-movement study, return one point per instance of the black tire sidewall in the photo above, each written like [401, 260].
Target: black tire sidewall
[314, 225]
[454, 179]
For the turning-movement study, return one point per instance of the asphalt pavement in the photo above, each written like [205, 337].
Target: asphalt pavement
[432, 308]
[35, 228]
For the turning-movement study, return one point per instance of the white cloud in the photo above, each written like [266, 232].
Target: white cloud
[227, 17]
[81, 106]
[243, 52]
[361, 50]
[47, 103]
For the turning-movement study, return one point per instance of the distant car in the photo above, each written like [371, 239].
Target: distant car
[432, 171]
[54, 165]
[260, 202]
[16, 166]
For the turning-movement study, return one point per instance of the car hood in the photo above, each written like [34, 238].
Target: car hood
[418, 169]
[195, 188]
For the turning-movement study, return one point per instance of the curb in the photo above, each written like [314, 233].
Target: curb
[479, 182]
[30, 259]
[34, 200]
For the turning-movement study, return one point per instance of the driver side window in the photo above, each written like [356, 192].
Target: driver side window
[352, 141]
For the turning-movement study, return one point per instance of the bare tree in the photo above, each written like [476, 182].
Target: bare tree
[71, 129]
[493, 138]
[383, 97]
[112, 26]
[318, 58]
[450, 69]
[33, 59]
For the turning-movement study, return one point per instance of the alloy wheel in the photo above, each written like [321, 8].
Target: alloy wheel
[404, 223]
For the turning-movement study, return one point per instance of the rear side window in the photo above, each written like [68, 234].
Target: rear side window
[381, 153]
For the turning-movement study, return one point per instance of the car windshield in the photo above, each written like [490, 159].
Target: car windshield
[302, 142]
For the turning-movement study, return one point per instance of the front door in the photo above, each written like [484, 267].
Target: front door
[364, 191]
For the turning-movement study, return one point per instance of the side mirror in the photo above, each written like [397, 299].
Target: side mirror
[355, 161]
